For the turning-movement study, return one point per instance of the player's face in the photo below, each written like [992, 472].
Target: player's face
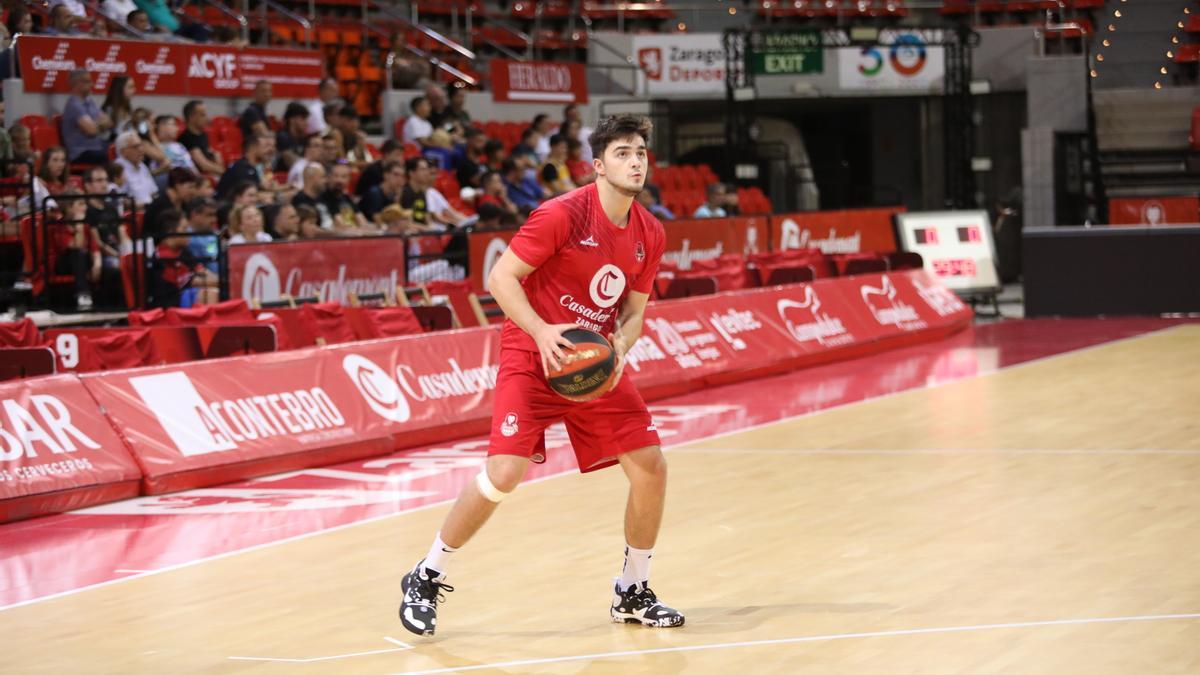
[624, 165]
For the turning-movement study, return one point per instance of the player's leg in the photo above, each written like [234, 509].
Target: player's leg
[521, 413]
[617, 428]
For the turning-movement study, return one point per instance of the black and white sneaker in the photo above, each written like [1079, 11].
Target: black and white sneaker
[640, 605]
[422, 593]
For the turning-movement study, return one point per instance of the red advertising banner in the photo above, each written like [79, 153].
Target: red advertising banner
[57, 450]
[215, 421]
[1154, 211]
[486, 248]
[845, 231]
[167, 69]
[208, 422]
[330, 269]
[538, 82]
[708, 238]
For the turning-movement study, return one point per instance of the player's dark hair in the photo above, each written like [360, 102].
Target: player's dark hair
[618, 127]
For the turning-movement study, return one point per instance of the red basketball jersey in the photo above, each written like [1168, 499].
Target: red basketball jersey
[585, 265]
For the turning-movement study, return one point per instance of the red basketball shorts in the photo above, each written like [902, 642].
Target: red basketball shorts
[600, 429]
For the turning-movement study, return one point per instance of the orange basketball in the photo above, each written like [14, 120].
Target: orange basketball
[587, 371]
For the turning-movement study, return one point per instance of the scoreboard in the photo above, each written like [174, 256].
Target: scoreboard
[956, 245]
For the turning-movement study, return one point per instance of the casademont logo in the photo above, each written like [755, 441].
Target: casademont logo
[806, 322]
[607, 286]
[792, 236]
[392, 395]
[888, 310]
[260, 280]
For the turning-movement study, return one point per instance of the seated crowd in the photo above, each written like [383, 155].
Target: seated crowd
[311, 175]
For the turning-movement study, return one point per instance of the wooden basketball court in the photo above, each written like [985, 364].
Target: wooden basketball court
[1042, 519]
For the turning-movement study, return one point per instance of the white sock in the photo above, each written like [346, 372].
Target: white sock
[637, 566]
[439, 556]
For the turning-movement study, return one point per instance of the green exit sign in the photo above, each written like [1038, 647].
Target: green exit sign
[786, 53]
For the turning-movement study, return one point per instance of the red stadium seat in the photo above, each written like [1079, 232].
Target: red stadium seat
[327, 322]
[370, 323]
[23, 333]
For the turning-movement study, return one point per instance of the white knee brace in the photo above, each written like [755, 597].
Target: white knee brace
[489, 491]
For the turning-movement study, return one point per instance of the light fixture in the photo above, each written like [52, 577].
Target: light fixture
[681, 25]
[1163, 70]
[1099, 57]
[1111, 27]
[1174, 40]
[732, 11]
[1179, 24]
[1093, 73]
[1170, 54]
[1158, 85]
[1117, 13]
[1107, 43]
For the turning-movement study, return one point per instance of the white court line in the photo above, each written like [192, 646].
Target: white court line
[125, 571]
[930, 451]
[809, 638]
[722, 434]
[403, 647]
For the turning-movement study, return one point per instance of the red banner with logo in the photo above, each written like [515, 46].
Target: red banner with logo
[330, 269]
[486, 249]
[216, 421]
[844, 231]
[1154, 211]
[708, 238]
[57, 450]
[538, 82]
[167, 69]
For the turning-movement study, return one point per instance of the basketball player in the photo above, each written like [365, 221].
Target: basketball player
[585, 259]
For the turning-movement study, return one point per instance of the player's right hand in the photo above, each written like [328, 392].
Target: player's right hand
[550, 343]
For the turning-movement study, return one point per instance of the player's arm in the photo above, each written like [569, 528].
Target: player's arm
[504, 283]
[629, 327]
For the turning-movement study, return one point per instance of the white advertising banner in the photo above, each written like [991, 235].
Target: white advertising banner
[902, 61]
[681, 64]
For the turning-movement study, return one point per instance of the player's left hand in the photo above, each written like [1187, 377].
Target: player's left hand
[619, 347]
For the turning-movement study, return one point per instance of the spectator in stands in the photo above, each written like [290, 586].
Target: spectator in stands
[179, 279]
[331, 142]
[181, 189]
[489, 217]
[118, 104]
[494, 191]
[253, 120]
[310, 222]
[429, 206]
[456, 111]
[418, 128]
[195, 139]
[493, 155]
[62, 22]
[436, 95]
[286, 223]
[289, 141]
[522, 190]
[646, 199]
[524, 153]
[139, 21]
[714, 205]
[70, 248]
[544, 126]
[554, 175]
[439, 151]
[582, 133]
[246, 225]
[327, 94]
[131, 157]
[246, 169]
[203, 245]
[54, 172]
[109, 234]
[311, 197]
[581, 169]
[347, 218]
[389, 191]
[84, 126]
[165, 136]
[118, 11]
[314, 152]
[22, 143]
[392, 151]
[160, 15]
[468, 158]
[19, 21]
[354, 142]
